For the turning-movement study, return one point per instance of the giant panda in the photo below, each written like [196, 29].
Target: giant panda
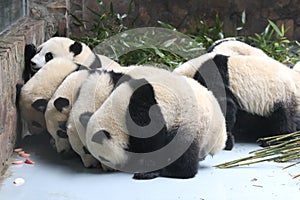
[93, 92]
[65, 47]
[231, 46]
[59, 106]
[259, 86]
[156, 126]
[34, 95]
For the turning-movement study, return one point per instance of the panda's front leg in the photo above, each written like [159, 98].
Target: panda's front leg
[231, 111]
[146, 175]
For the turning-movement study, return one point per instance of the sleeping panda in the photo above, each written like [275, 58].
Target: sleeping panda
[231, 46]
[93, 92]
[78, 52]
[156, 126]
[259, 86]
[34, 95]
[59, 106]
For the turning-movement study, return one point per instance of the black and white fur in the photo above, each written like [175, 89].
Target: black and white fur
[76, 51]
[256, 85]
[35, 94]
[93, 92]
[59, 107]
[160, 114]
[231, 46]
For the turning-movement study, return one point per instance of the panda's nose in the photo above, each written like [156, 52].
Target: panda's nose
[34, 67]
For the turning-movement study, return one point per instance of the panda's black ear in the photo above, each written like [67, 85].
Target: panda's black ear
[118, 78]
[84, 118]
[60, 103]
[40, 105]
[76, 48]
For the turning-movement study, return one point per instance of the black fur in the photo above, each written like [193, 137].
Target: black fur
[211, 48]
[86, 151]
[213, 74]
[40, 105]
[29, 52]
[62, 134]
[62, 125]
[141, 138]
[101, 135]
[85, 117]
[96, 63]
[76, 48]
[48, 56]
[118, 78]
[60, 103]
[279, 121]
[36, 124]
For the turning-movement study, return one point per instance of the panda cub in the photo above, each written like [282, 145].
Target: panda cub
[76, 51]
[256, 85]
[93, 92]
[156, 126]
[59, 106]
[231, 46]
[35, 94]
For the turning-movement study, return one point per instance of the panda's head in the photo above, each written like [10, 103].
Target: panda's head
[60, 47]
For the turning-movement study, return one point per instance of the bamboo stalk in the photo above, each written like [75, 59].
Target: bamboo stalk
[283, 148]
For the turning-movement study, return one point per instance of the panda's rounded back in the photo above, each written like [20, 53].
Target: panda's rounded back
[231, 46]
[259, 82]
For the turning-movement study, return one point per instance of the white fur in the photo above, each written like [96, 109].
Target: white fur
[260, 82]
[183, 103]
[68, 90]
[257, 82]
[42, 86]
[297, 67]
[59, 47]
[93, 93]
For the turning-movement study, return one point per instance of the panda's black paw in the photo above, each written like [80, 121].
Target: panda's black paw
[229, 142]
[146, 176]
[262, 143]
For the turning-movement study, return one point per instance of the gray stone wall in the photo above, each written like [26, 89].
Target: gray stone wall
[186, 14]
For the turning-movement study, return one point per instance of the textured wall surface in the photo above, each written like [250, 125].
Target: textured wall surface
[187, 14]
[45, 18]
[12, 45]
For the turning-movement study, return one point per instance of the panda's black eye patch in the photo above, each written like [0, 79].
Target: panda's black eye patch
[48, 56]
[60, 103]
[100, 136]
[40, 105]
[62, 134]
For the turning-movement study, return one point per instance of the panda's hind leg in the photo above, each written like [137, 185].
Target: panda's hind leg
[185, 166]
[283, 120]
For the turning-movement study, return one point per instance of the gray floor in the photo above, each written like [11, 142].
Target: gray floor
[65, 179]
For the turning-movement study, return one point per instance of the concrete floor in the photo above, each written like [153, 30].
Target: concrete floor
[53, 177]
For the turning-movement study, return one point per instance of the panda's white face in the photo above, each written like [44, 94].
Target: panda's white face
[55, 47]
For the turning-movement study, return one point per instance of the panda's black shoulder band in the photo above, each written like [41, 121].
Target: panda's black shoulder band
[81, 67]
[96, 63]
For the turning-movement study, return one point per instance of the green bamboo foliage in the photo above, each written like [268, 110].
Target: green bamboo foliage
[282, 148]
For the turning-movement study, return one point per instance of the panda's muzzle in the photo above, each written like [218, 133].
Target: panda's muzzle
[34, 67]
